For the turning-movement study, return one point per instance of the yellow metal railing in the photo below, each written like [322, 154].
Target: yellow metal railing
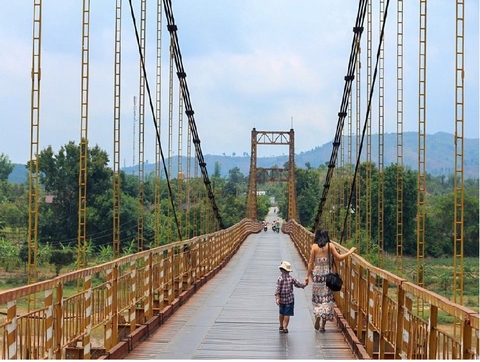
[379, 307]
[118, 298]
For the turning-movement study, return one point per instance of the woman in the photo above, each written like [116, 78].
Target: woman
[318, 268]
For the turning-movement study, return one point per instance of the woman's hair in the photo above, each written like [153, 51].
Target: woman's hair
[321, 237]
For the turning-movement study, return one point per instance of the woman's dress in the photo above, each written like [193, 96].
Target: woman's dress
[322, 296]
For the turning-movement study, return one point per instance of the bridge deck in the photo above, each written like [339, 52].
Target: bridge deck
[234, 315]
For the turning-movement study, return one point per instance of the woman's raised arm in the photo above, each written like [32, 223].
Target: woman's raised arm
[339, 256]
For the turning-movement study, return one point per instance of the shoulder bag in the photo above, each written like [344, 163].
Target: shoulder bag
[334, 282]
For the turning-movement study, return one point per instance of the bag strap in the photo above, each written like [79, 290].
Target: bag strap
[333, 262]
[329, 263]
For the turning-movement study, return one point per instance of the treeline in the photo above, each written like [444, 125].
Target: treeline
[439, 201]
[58, 205]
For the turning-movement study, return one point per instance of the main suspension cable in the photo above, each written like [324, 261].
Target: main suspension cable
[172, 28]
[152, 110]
[369, 106]
[357, 34]
[342, 114]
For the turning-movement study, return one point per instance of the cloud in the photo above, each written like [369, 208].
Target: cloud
[265, 64]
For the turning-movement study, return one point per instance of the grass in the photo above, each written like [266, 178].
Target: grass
[439, 277]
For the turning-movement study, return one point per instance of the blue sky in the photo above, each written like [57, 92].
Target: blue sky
[264, 64]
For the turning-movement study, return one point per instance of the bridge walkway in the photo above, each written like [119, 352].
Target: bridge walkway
[234, 315]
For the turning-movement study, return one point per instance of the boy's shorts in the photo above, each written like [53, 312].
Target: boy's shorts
[286, 309]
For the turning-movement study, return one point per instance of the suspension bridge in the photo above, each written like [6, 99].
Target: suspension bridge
[209, 294]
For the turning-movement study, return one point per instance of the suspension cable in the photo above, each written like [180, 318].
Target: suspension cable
[369, 106]
[152, 110]
[172, 28]
[357, 34]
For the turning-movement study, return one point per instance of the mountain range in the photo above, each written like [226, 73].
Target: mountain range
[439, 157]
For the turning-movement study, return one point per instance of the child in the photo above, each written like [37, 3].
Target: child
[284, 295]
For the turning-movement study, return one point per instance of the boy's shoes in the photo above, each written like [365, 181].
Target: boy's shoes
[285, 330]
[317, 323]
[280, 329]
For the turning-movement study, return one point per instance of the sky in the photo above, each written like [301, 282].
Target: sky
[265, 64]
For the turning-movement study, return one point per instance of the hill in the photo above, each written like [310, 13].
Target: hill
[439, 157]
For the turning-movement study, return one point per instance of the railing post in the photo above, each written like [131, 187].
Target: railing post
[133, 295]
[200, 266]
[169, 276]
[403, 325]
[369, 339]
[12, 329]
[88, 316]
[49, 323]
[214, 241]
[407, 321]
[359, 292]
[194, 252]
[115, 305]
[399, 329]
[432, 335]
[147, 288]
[345, 293]
[58, 321]
[108, 326]
[467, 340]
[384, 325]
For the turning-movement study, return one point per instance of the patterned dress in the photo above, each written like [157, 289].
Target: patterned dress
[322, 296]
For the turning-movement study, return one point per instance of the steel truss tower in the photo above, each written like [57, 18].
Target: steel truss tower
[272, 174]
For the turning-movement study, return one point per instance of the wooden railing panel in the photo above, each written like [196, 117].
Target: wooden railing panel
[129, 292]
[380, 303]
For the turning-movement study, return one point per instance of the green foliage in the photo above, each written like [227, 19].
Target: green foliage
[61, 258]
[13, 205]
[105, 255]
[439, 217]
[263, 206]
[131, 248]
[8, 254]
[59, 176]
[6, 167]
[442, 221]
[307, 187]
[59, 220]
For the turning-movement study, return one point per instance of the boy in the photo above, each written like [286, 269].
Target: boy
[284, 295]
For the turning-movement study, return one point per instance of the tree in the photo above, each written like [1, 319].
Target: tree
[390, 209]
[6, 167]
[263, 205]
[441, 240]
[58, 174]
[8, 253]
[307, 189]
[217, 173]
[61, 258]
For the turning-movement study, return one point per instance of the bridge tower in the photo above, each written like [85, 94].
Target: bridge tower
[274, 174]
